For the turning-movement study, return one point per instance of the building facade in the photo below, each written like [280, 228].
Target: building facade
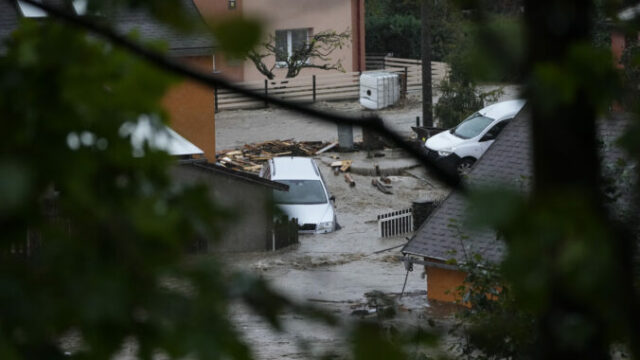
[291, 22]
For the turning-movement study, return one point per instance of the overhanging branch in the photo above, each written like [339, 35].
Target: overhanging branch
[212, 81]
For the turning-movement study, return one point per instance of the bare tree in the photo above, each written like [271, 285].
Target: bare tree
[313, 53]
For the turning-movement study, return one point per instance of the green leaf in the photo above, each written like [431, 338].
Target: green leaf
[237, 36]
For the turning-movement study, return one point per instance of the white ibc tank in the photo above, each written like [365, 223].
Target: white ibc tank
[379, 89]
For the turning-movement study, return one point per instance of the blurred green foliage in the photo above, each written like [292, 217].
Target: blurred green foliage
[398, 32]
[111, 232]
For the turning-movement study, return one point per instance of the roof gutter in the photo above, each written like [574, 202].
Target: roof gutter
[409, 260]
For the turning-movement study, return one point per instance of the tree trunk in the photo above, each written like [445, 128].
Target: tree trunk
[427, 105]
[565, 162]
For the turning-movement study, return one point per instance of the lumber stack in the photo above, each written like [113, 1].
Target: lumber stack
[252, 156]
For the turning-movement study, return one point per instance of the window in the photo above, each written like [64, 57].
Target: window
[496, 129]
[288, 41]
[31, 11]
[305, 192]
[472, 126]
[232, 4]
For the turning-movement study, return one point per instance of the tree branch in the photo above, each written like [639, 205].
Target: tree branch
[212, 81]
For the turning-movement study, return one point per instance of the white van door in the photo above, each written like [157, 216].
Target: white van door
[489, 137]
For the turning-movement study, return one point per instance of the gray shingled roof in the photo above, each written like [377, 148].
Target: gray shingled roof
[8, 21]
[508, 162]
[238, 175]
[125, 21]
[149, 28]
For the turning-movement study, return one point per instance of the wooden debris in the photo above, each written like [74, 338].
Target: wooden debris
[346, 164]
[385, 180]
[349, 180]
[251, 156]
[380, 186]
[284, 153]
[336, 164]
[254, 168]
[326, 148]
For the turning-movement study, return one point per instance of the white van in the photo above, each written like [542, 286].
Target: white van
[459, 148]
[308, 199]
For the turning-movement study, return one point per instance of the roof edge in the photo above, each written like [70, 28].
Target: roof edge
[251, 178]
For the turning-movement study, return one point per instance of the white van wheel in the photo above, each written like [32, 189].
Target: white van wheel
[464, 166]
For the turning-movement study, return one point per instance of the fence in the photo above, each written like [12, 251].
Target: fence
[327, 87]
[283, 234]
[395, 223]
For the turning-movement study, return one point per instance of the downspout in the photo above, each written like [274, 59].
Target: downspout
[358, 23]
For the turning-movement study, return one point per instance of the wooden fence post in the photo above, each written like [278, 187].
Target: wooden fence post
[314, 88]
[266, 92]
[215, 98]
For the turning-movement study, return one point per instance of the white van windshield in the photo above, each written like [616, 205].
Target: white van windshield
[471, 126]
[301, 192]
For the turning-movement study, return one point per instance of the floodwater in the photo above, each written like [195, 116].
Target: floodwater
[335, 270]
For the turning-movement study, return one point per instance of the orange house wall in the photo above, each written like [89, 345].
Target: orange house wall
[191, 109]
[617, 47]
[212, 11]
[439, 281]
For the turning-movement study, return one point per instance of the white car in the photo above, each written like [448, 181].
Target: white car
[308, 199]
[459, 148]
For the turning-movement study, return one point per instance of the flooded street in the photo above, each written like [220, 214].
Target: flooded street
[334, 271]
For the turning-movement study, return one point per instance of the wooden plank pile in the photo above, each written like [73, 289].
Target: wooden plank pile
[252, 156]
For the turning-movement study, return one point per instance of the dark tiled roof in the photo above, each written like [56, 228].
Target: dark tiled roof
[125, 21]
[8, 20]
[238, 175]
[508, 162]
[148, 28]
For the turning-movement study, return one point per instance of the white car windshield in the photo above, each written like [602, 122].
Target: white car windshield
[301, 192]
[471, 126]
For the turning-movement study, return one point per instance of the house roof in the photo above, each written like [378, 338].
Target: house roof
[159, 138]
[237, 175]
[124, 21]
[508, 162]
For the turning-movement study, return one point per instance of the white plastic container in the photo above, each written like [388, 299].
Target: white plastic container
[379, 89]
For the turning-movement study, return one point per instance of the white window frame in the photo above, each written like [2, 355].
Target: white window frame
[289, 32]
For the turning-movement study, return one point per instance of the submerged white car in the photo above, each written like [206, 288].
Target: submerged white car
[308, 199]
[460, 147]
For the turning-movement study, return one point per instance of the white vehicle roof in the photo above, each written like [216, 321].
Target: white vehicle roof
[293, 168]
[503, 109]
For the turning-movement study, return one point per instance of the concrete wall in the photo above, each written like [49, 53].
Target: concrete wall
[191, 109]
[440, 280]
[251, 221]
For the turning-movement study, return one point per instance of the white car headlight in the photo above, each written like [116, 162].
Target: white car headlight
[327, 225]
[444, 153]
